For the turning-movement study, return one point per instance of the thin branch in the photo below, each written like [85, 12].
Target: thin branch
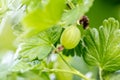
[74, 71]
[66, 71]
[66, 62]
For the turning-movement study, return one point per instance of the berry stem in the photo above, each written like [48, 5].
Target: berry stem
[72, 71]
[100, 74]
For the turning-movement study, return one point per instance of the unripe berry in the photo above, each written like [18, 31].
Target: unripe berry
[70, 37]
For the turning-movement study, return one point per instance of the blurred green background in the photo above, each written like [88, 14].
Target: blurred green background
[101, 9]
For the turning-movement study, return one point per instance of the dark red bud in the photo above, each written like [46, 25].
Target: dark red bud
[84, 21]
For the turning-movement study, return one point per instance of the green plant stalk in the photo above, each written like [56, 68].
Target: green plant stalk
[106, 75]
[66, 62]
[73, 70]
[100, 74]
[66, 71]
[103, 75]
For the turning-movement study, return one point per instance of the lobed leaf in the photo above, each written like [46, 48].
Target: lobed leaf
[40, 45]
[23, 65]
[32, 50]
[102, 46]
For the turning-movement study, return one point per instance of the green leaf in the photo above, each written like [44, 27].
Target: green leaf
[32, 4]
[24, 65]
[34, 49]
[77, 1]
[40, 45]
[53, 34]
[102, 46]
[3, 6]
[5, 31]
[44, 18]
[71, 16]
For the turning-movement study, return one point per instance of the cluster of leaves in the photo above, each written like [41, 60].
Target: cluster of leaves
[36, 48]
[42, 23]
[43, 26]
[40, 29]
